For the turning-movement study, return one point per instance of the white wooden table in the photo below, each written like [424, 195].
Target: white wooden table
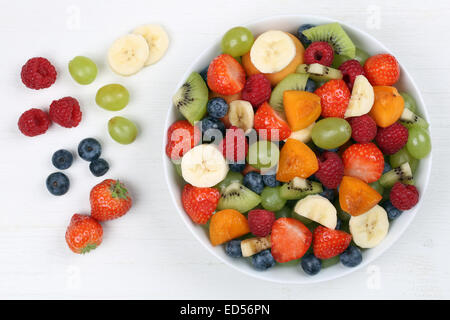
[149, 253]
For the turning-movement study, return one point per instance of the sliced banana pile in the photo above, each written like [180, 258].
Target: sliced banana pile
[145, 46]
[370, 228]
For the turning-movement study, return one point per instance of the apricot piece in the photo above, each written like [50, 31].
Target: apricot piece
[226, 225]
[387, 107]
[302, 108]
[296, 160]
[357, 197]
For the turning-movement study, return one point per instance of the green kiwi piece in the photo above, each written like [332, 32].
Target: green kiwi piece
[319, 72]
[191, 98]
[294, 81]
[298, 188]
[229, 179]
[238, 197]
[402, 173]
[409, 119]
[335, 36]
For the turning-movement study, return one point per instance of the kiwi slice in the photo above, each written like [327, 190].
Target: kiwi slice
[294, 81]
[229, 179]
[409, 119]
[402, 174]
[191, 98]
[319, 72]
[298, 188]
[238, 197]
[335, 36]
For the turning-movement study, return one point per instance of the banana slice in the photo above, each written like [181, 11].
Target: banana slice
[362, 98]
[252, 246]
[128, 54]
[303, 135]
[204, 166]
[157, 41]
[241, 115]
[370, 228]
[318, 209]
[272, 51]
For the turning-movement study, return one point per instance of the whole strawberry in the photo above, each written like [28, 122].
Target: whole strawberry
[109, 200]
[331, 170]
[199, 203]
[225, 75]
[382, 70]
[328, 243]
[260, 222]
[84, 233]
[334, 97]
[391, 139]
[269, 125]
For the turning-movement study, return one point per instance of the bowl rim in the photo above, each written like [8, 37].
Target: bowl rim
[312, 280]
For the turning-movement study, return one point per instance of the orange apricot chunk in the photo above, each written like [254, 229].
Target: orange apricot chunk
[301, 108]
[226, 225]
[387, 107]
[357, 197]
[296, 160]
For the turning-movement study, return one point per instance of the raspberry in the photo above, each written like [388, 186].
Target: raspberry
[364, 128]
[65, 112]
[38, 73]
[391, 139]
[199, 203]
[319, 52]
[234, 146]
[403, 196]
[350, 70]
[382, 70]
[334, 97]
[331, 170]
[257, 90]
[34, 122]
[260, 222]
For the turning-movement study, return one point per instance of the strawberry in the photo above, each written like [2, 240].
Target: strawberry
[225, 75]
[181, 137]
[199, 203]
[270, 125]
[290, 239]
[328, 243]
[234, 146]
[84, 233]
[109, 200]
[363, 161]
[334, 97]
[382, 70]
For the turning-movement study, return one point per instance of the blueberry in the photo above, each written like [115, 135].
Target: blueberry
[270, 180]
[233, 248]
[212, 128]
[328, 193]
[62, 159]
[392, 212]
[89, 149]
[338, 224]
[263, 260]
[57, 183]
[310, 264]
[281, 144]
[313, 178]
[387, 167]
[204, 74]
[237, 167]
[351, 257]
[254, 181]
[310, 86]
[303, 39]
[99, 167]
[217, 108]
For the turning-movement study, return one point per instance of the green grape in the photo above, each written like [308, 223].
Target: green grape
[330, 262]
[361, 56]
[263, 154]
[338, 60]
[237, 41]
[271, 200]
[83, 70]
[229, 179]
[377, 186]
[178, 169]
[285, 212]
[113, 97]
[402, 156]
[330, 133]
[419, 143]
[410, 103]
[122, 130]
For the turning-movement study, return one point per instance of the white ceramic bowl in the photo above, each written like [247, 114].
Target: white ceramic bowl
[291, 274]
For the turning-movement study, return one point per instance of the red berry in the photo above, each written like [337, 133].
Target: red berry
[350, 70]
[234, 146]
[181, 137]
[257, 90]
[34, 122]
[319, 52]
[109, 200]
[225, 75]
[391, 139]
[331, 170]
[270, 125]
[84, 233]
[199, 203]
[260, 222]
[328, 243]
[363, 161]
[364, 128]
[38, 73]
[404, 196]
[65, 112]
[290, 239]
[334, 97]
[382, 70]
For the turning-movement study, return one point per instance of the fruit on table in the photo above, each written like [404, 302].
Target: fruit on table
[109, 200]
[112, 97]
[226, 225]
[391, 139]
[302, 108]
[303, 135]
[263, 154]
[199, 203]
[225, 75]
[238, 197]
[241, 115]
[191, 99]
[331, 170]
[269, 125]
[328, 243]
[319, 52]
[252, 246]
[318, 209]
[299, 188]
[62, 159]
[330, 133]
[122, 130]
[293, 81]
[38, 73]
[66, 112]
[363, 161]
[409, 119]
[57, 183]
[157, 41]
[362, 98]
[128, 54]
[260, 222]
[34, 122]
[402, 157]
[357, 197]
[351, 69]
[99, 167]
[334, 98]
[181, 137]
[83, 234]
[257, 90]
[402, 173]
[237, 41]
[271, 199]
[83, 70]
[382, 70]
[89, 149]
[419, 143]
[388, 106]
[370, 228]
[296, 160]
[319, 72]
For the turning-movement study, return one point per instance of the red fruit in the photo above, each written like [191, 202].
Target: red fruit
[404, 196]
[181, 137]
[84, 233]
[260, 222]
[319, 52]
[331, 170]
[269, 124]
[290, 239]
[34, 122]
[225, 75]
[391, 139]
[334, 97]
[328, 243]
[65, 112]
[234, 146]
[199, 203]
[382, 70]
[363, 161]
[38, 73]
[257, 90]
[350, 70]
[364, 128]
[109, 200]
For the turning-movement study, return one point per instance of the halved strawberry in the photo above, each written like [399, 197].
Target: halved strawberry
[270, 125]
[290, 239]
[328, 243]
[199, 203]
[225, 75]
[363, 161]
[181, 137]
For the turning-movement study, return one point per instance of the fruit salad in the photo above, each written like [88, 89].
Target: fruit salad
[297, 148]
